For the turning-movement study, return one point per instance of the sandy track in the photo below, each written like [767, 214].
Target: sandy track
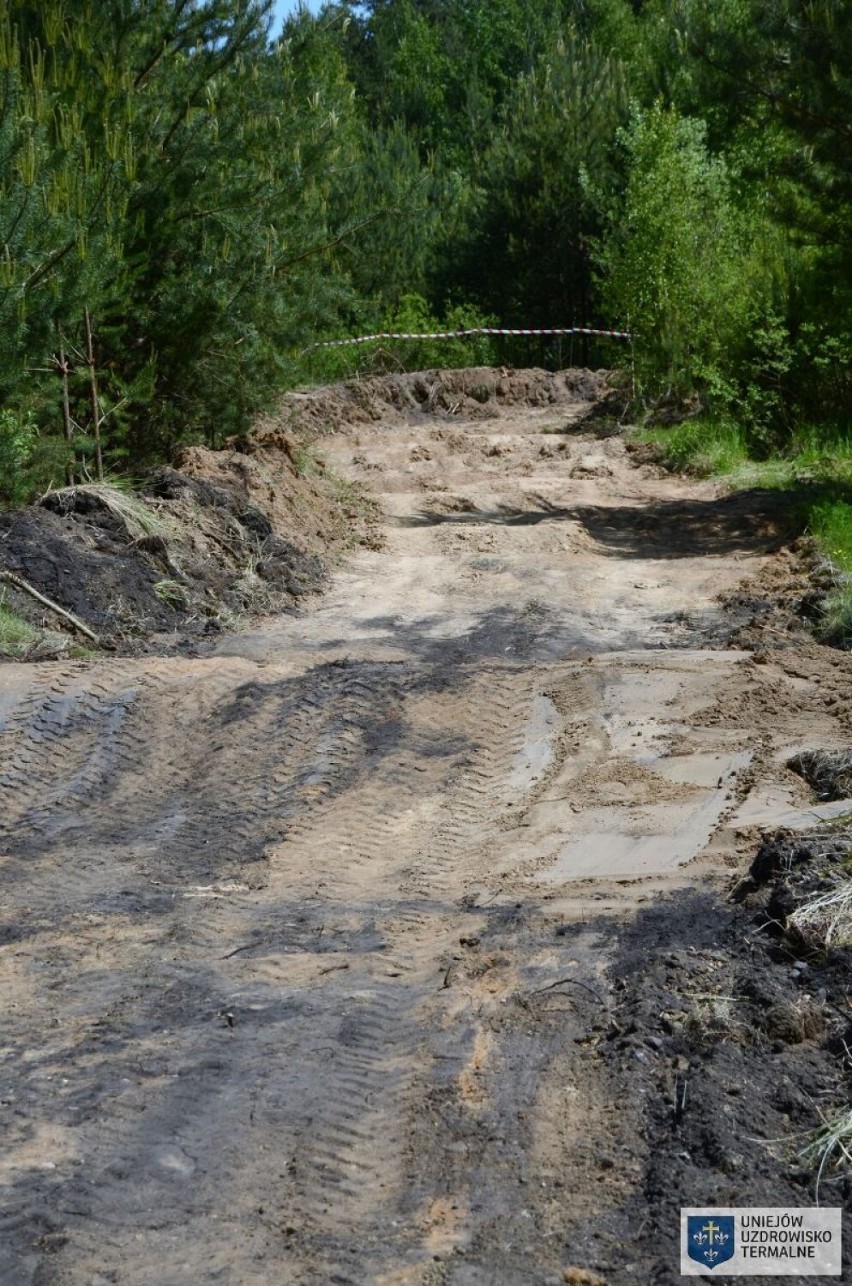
[288, 998]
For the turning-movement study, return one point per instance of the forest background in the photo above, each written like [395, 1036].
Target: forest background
[187, 204]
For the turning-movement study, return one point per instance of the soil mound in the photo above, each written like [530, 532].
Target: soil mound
[476, 392]
[223, 534]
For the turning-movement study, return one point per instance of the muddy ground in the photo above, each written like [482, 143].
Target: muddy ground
[405, 937]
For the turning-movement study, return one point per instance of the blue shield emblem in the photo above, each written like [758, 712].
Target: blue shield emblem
[710, 1239]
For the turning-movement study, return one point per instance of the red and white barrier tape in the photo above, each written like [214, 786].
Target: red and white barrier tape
[475, 330]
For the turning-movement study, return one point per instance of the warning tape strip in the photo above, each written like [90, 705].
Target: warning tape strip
[475, 330]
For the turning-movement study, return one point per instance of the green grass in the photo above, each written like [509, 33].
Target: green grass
[17, 636]
[701, 446]
[817, 471]
[306, 463]
[20, 641]
[171, 593]
[831, 525]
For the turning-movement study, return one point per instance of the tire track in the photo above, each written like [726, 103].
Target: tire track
[283, 983]
[365, 1086]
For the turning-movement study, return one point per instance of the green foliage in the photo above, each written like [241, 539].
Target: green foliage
[411, 315]
[397, 201]
[672, 263]
[17, 441]
[166, 169]
[772, 80]
[525, 254]
[218, 203]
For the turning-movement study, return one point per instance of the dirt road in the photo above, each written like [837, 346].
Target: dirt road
[308, 940]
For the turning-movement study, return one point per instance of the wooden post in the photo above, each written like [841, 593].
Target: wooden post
[93, 393]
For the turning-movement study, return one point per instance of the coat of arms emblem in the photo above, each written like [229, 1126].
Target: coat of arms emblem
[710, 1239]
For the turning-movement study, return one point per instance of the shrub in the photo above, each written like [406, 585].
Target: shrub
[17, 441]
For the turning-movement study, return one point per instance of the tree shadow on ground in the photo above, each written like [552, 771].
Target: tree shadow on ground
[754, 520]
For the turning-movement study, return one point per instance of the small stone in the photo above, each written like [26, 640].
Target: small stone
[582, 1277]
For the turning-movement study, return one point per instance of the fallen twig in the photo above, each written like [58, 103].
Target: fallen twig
[575, 982]
[27, 588]
[247, 946]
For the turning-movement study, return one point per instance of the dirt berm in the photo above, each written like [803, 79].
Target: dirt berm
[453, 926]
[223, 536]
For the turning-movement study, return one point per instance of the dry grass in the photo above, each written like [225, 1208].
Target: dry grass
[828, 772]
[826, 921]
[713, 1017]
[138, 520]
[830, 1147]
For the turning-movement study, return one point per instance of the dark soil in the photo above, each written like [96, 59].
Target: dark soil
[780, 607]
[732, 1088]
[86, 565]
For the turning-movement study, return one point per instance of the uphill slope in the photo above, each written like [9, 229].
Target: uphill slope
[309, 939]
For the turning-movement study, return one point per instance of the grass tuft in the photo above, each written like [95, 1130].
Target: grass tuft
[21, 641]
[828, 772]
[702, 446]
[826, 921]
[138, 520]
[830, 1147]
[831, 525]
[17, 636]
[171, 593]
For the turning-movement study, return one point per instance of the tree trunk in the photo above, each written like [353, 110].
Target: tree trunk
[93, 393]
[67, 423]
